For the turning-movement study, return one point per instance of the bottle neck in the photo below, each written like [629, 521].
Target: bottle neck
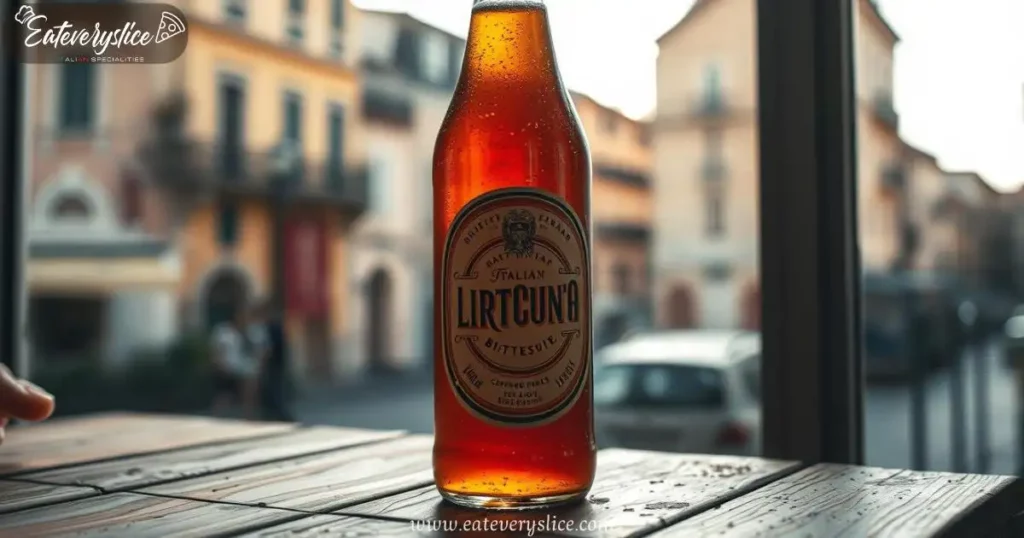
[509, 3]
[509, 42]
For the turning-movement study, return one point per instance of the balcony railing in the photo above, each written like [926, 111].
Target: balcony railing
[885, 111]
[202, 167]
[622, 175]
[894, 176]
[623, 231]
[710, 106]
[386, 108]
[717, 270]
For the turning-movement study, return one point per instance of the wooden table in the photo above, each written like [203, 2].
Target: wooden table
[164, 476]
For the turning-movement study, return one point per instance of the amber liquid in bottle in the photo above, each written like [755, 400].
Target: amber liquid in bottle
[512, 177]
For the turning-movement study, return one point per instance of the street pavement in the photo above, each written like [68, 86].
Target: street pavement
[407, 403]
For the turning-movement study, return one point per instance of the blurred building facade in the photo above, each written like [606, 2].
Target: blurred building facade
[409, 71]
[706, 170]
[271, 137]
[706, 155]
[236, 171]
[103, 270]
[621, 212]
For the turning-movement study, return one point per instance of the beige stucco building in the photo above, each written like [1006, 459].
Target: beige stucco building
[152, 200]
[706, 162]
[621, 208]
[409, 70]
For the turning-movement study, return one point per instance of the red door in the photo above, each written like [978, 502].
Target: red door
[680, 308]
[751, 307]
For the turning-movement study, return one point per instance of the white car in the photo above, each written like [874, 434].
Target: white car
[680, 391]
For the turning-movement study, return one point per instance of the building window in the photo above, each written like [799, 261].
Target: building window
[714, 210]
[621, 277]
[77, 96]
[435, 59]
[407, 53]
[337, 23]
[713, 168]
[296, 21]
[234, 10]
[227, 224]
[231, 99]
[712, 85]
[292, 118]
[70, 207]
[336, 143]
[337, 14]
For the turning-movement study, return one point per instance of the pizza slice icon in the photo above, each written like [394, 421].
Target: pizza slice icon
[170, 26]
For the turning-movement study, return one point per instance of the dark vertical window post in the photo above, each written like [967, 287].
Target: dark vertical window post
[810, 270]
[336, 149]
[77, 93]
[12, 268]
[286, 174]
[337, 15]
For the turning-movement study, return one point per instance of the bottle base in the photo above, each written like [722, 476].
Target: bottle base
[487, 502]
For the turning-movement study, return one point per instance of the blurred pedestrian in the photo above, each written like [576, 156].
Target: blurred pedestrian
[21, 399]
[269, 333]
[235, 367]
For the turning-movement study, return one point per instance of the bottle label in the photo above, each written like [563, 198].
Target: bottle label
[516, 327]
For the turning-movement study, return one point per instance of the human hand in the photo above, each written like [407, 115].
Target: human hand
[21, 399]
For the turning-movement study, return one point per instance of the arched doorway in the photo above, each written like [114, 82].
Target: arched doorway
[227, 290]
[378, 320]
[751, 307]
[680, 308]
[612, 328]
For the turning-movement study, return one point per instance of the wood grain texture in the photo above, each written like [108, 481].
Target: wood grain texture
[72, 441]
[138, 516]
[16, 495]
[318, 483]
[839, 500]
[137, 472]
[634, 492]
[353, 527]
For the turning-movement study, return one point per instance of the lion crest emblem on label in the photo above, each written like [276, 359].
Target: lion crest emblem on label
[518, 227]
[516, 330]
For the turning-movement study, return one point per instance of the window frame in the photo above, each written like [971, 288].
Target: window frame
[715, 218]
[812, 377]
[67, 125]
[292, 97]
[235, 11]
[15, 98]
[296, 12]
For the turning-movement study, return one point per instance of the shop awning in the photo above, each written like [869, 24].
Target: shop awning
[99, 268]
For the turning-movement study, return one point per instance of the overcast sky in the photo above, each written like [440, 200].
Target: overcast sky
[959, 68]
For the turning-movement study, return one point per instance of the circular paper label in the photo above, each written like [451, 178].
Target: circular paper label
[516, 314]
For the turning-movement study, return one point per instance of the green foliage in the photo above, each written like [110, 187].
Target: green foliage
[172, 379]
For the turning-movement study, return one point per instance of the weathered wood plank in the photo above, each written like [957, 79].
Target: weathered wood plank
[137, 472]
[17, 495]
[838, 500]
[319, 483]
[73, 441]
[352, 527]
[634, 492]
[139, 516]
